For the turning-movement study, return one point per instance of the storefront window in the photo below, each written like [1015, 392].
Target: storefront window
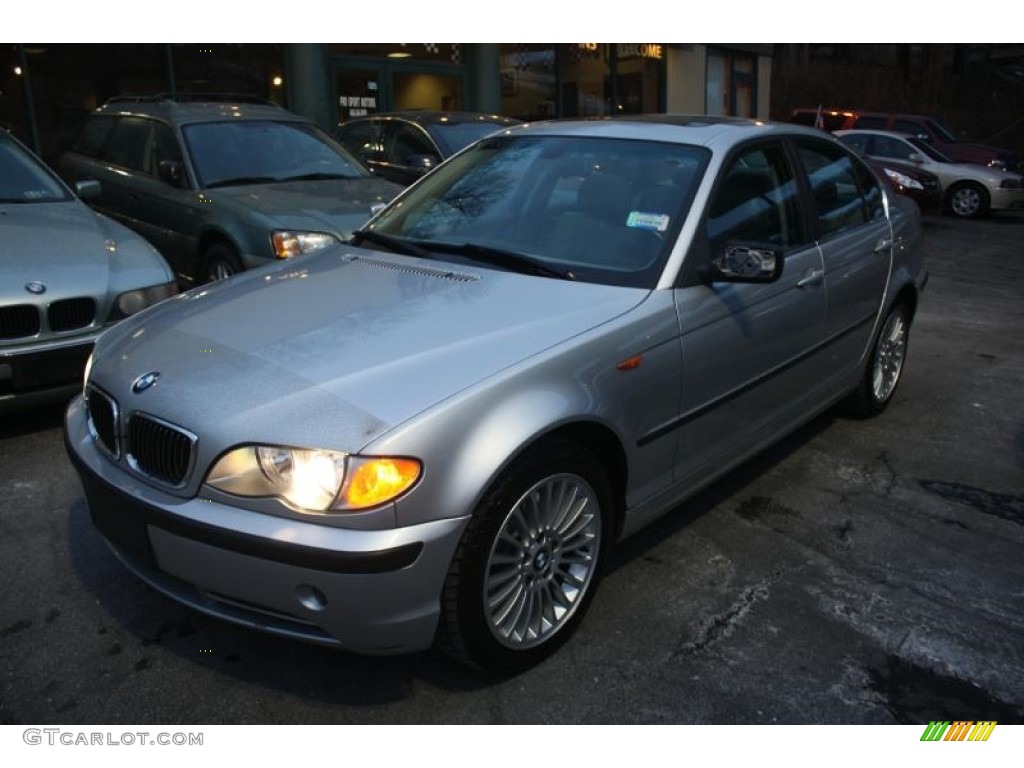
[447, 53]
[529, 88]
[730, 84]
[581, 79]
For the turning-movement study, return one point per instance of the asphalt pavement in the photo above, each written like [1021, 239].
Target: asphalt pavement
[858, 572]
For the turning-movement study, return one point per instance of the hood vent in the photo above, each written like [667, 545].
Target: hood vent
[440, 274]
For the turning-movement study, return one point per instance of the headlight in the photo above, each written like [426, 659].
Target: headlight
[287, 244]
[130, 302]
[313, 480]
[1010, 184]
[903, 180]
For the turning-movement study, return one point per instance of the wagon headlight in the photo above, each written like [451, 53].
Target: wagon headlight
[288, 244]
[314, 480]
[903, 180]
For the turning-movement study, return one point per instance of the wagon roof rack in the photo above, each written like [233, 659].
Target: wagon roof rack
[182, 98]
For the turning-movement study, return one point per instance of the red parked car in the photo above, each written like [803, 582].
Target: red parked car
[920, 126]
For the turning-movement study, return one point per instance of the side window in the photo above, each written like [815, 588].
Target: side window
[870, 124]
[406, 141]
[897, 149]
[160, 145]
[361, 138]
[126, 144]
[910, 126]
[94, 133]
[836, 188]
[870, 190]
[858, 142]
[755, 202]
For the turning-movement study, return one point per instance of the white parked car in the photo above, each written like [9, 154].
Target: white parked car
[970, 191]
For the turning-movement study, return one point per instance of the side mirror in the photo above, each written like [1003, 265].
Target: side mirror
[88, 189]
[746, 264]
[171, 171]
[924, 136]
[422, 162]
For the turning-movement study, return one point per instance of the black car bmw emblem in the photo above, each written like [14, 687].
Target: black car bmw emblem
[145, 381]
[34, 286]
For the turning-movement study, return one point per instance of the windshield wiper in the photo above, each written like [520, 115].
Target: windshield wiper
[242, 180]
[396, 244]
[516, 262]
[317, 177]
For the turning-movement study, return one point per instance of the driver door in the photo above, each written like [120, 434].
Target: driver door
[751, 363]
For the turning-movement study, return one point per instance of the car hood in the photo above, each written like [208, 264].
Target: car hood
[339, 206]
[65, 246]
[334, 349]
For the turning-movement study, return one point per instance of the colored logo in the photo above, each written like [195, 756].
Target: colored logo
[958, 730]
[35, 287]
[145, 381]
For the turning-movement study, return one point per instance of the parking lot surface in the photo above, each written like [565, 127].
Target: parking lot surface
[858, 572]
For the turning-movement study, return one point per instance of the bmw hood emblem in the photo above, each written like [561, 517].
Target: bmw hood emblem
[145, 381]
[35, 287]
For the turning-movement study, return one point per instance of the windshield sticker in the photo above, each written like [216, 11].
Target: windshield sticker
[654, 221]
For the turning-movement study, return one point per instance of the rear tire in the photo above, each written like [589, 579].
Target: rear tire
[529, 561]
[884, 365]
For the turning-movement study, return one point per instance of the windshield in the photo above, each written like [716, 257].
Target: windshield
[260, 151]
[599, 210]
[455, 136]
[938, 129]
[23, 179]
[928, 149]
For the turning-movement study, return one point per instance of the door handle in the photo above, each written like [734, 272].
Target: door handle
[883, 245]
[811, 277]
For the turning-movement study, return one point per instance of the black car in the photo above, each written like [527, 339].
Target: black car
[402, 146]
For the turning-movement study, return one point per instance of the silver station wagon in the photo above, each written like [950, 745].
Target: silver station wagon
[434, 434]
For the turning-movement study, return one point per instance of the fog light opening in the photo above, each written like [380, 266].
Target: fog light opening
[310, 597]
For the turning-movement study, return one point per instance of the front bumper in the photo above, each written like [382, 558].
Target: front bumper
[36, 371]
[365, 591]
[1006, 199]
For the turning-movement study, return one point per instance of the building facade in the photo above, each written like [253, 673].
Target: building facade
[46, 89]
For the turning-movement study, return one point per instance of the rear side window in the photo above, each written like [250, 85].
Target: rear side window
[93, 135]
[126, 143]
[845, 195]
[361, 138]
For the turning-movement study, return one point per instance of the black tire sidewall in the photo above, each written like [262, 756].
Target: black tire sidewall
[220, 252]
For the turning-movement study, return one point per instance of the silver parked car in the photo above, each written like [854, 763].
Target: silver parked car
[65, 273]
[969, 191]
[435, 434]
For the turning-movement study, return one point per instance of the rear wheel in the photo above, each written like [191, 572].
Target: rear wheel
[884, 366]
[220, 261]
[968, 200]
[529, 561]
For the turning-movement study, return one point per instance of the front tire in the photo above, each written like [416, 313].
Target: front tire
[968, 201]
[884, 366]
[220, 261]
[529, 561]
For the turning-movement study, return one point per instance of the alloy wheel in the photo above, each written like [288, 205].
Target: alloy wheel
[543, 559]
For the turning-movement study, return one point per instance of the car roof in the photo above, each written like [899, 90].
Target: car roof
[189, 109]
[427, 117]
[701, 130]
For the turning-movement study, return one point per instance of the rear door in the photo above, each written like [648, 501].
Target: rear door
[855, 238]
